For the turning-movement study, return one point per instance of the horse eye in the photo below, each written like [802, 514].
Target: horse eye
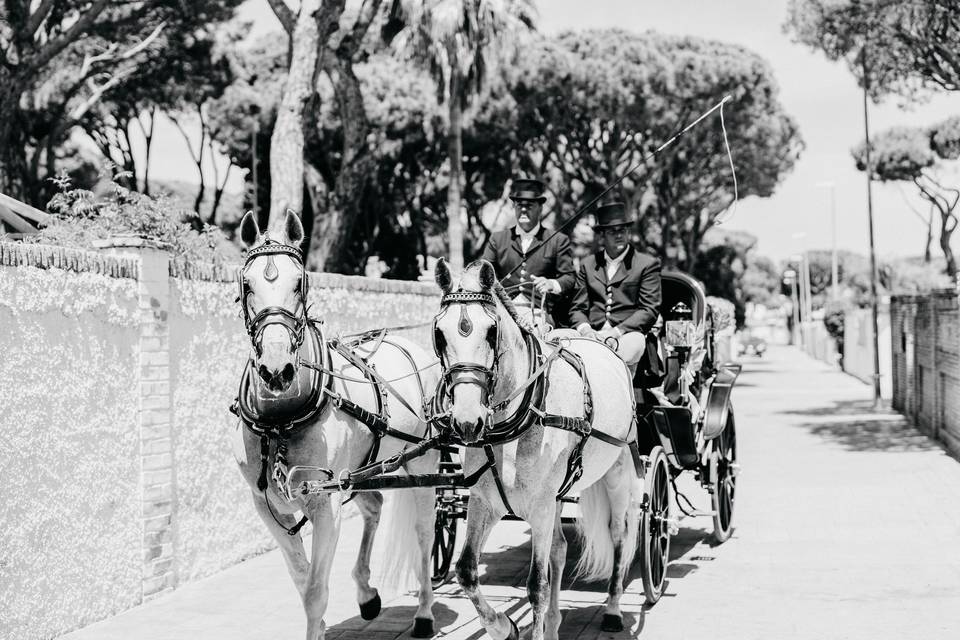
[492, 337]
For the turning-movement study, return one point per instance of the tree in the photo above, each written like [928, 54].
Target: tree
[908, 43]
[457, 40]
[761, 281]
[592, 105]
[913, 154]
[59, 59]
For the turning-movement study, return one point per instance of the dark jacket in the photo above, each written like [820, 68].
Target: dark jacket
[630, 301]
[553, 260]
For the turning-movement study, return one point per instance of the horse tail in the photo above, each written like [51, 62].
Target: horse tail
[593, 527]
[597, 555]
[398, 543]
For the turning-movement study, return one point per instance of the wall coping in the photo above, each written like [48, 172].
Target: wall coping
[51, 256]
[227, 273]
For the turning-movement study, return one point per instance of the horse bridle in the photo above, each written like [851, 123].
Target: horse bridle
[469, 372]
[294, 323]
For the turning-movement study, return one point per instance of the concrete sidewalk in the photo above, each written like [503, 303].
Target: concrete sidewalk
[847, 526]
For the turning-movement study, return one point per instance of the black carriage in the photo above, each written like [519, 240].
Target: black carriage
[685, 424]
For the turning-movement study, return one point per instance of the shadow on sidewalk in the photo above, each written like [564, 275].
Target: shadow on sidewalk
[389, 623]
[859, 428]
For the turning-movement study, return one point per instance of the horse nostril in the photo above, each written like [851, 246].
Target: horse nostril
[265, 373]
[288, 372]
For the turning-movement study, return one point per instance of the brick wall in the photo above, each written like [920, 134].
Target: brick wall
[926, 363]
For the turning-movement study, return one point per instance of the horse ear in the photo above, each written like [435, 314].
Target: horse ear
[293, 228]
[488, 277]
[249, 229]
[441, 273]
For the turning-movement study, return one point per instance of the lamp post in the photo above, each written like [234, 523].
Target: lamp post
[877, 401]
[834, 262]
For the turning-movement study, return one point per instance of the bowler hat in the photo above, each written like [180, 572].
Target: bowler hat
[526, 189]
[612, 214]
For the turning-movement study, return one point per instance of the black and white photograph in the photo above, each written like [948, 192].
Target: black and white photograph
[467, 319]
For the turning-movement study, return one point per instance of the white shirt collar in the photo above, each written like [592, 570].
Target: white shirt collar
[618, 259]
[525, 235]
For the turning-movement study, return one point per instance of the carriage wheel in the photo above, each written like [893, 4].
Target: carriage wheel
[655, 526]
[444, 541]
[725, 482]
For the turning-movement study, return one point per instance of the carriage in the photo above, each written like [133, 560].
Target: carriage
[685, 424]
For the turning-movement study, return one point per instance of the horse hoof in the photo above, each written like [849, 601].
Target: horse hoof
[370, 609]
[422, 628]
[514, 630]
[611, 623]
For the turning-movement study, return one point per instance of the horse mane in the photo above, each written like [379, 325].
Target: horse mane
[507, 303]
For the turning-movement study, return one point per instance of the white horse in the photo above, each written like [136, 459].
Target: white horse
[295, 416]
[487, 358]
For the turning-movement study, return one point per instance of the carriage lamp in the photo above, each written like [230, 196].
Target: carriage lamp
[681, 332]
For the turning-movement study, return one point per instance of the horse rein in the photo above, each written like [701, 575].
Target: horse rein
[294, 323]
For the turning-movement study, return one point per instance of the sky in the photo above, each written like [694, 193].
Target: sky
[821, 95]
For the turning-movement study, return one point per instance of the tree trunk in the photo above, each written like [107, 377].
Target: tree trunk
[286, 145]
[13, 161]
[455, 154]
[947, 226]
[926, 249]
[333, 226]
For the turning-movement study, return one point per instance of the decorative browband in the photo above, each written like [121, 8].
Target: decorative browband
[467, 297]
[269, 247]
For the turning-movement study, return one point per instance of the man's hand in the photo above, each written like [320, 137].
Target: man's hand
[587, 331]
[545, 285]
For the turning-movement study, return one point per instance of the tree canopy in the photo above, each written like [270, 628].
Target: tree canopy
[593, 104]
[913, 154]
[909, 44]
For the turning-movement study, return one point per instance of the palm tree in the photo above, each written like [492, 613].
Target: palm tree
[458, 40]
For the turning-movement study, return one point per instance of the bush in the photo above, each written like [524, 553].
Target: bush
[833, 319]
[81, 217]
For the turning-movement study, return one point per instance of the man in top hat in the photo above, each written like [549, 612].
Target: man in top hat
[547, 268]
[618, 291]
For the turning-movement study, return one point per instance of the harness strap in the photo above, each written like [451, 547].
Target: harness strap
[488, 449]
[371, 373]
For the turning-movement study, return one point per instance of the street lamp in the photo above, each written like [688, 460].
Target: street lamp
[877, 402]
[834, 263]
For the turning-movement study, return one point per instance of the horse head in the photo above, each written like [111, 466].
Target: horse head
[469, 338]
[273, 295]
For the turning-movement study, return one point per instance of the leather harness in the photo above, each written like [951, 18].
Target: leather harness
[531, 409]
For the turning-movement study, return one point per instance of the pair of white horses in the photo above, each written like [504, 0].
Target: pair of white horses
[532, 467]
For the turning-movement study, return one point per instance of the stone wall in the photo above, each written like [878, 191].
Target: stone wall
[117, 373]
[70, 460]
[926, 363]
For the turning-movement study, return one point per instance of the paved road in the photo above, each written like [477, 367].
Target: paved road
[847, 527]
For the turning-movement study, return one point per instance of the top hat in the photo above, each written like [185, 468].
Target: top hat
[524, 189]
[612, 214]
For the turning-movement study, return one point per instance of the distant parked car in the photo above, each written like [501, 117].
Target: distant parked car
[751, 345]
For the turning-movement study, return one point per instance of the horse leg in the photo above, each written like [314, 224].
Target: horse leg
[316, 596]
[481, 517]
[369, 505]
[558, 558]
[619, 482]
[290, 546]
[542, 526]
[426, 520]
